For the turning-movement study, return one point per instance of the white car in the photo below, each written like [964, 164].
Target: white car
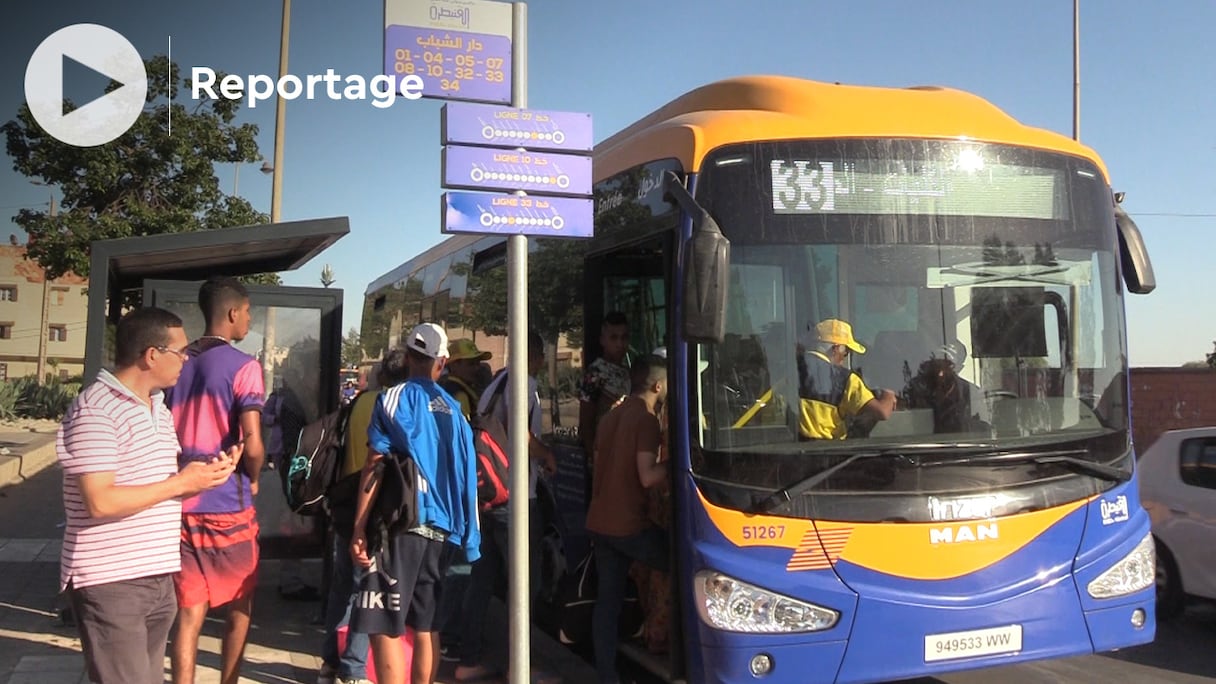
[1178, 488]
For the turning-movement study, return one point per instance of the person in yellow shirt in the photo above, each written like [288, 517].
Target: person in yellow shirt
[464, 362]
[350, 664]
[831, 393]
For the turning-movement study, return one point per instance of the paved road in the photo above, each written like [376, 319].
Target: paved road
[35, 648]
[1182, 653]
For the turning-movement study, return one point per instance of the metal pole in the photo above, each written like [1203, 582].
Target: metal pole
[276, 194]
[236, 180]
[1076, 69]
[518, 594]
[280, 113]
[44, 323]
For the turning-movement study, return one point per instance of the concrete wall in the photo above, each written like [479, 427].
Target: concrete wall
[23, 283]
[1169, 399]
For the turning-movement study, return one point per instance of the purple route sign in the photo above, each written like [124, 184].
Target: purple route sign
[461, 49]
[485, 168]
[473, 124]
[482, 213]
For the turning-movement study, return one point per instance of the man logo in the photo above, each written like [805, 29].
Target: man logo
[964, 533]
[102, 119]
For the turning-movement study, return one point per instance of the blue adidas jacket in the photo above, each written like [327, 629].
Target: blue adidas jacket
[419, 418]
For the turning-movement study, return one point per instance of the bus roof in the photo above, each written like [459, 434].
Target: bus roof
[752, 108]
[438, 251]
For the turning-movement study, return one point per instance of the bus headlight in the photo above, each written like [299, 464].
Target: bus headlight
[730, 604]
[1135, 572]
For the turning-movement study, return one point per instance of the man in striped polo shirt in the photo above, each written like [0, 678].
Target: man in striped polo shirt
[122, 495]
[217, 403]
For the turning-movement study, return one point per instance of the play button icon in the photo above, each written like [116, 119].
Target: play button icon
[104, 118]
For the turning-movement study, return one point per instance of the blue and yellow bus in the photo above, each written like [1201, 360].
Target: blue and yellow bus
[993, 518]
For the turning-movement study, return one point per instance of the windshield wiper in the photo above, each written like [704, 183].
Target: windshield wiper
[1067, 458]
[1080, 465]
[902, 451]
[787, 493]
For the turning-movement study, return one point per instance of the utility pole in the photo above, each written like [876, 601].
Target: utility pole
[280, 114]
[44, 325]
[276, 193]
[1076, 70]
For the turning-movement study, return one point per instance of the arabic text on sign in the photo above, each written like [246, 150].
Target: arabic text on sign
[432, 61]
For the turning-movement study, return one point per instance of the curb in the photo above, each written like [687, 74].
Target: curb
[16, 468]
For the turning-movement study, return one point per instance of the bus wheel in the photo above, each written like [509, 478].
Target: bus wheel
[1169, 584]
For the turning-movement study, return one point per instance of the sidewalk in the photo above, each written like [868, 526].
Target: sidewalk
[25, 452]
[36, 648]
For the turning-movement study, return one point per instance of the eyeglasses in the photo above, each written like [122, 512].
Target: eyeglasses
[181, 353]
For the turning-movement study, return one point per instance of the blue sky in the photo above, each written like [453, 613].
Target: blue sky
[1147, 103]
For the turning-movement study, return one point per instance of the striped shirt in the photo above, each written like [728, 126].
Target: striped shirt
[109, 429]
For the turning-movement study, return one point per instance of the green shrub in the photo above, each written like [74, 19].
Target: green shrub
[48, 401]
[9, 395]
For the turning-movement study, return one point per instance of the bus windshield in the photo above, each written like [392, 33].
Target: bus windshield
[980, 283]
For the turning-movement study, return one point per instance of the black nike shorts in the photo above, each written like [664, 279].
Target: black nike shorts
[402, 587]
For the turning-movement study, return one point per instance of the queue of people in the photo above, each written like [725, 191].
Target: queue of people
[162, 456]
[169, 444]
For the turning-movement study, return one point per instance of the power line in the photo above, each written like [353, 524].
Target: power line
[1170, 214]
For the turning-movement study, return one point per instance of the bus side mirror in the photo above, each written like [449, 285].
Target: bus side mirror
[1137, 269]
[706, 270]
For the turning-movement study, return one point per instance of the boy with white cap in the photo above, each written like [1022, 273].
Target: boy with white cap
[420, 421]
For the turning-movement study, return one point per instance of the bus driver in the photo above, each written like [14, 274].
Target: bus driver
[830, 393]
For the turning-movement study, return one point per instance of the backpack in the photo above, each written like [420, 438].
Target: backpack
[396, 505]
[576, 596]
[317, 461]
[490, 446]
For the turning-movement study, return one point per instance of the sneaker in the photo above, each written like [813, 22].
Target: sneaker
[328, 674]
[343, 680]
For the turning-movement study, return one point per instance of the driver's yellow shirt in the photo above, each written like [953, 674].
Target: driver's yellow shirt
[829, 394]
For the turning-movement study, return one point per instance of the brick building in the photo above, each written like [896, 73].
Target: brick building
[1170, 399]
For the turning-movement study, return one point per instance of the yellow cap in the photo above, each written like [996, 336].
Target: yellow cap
[464, 348]
[837, 331]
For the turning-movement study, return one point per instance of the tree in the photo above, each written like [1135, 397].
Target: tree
[1211, 358]
[352, 349]
[146, 182]
[555, 292]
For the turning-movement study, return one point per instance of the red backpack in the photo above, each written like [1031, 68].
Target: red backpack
[490, 444]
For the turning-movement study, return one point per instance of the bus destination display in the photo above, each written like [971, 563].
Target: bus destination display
[815, 186]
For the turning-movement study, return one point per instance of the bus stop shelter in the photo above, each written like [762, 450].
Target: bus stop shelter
[124, 264]
[296, 332]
